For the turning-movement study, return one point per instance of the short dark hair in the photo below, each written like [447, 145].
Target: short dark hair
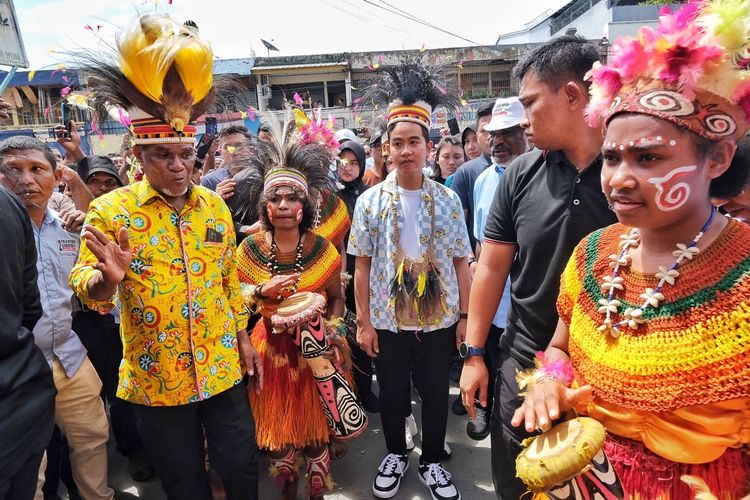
[734, 180]
[425, 132]
[20, 142]
[236, 129]
[485, 110]
[561, 60]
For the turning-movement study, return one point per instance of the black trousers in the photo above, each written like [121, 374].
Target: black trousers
[506, 439]
[100, 336]
[173, 438]
[20, 483]
[428, 356]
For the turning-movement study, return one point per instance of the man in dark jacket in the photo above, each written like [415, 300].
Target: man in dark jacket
[27, 391]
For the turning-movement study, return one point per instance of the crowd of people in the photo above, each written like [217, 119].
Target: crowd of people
[580, 252]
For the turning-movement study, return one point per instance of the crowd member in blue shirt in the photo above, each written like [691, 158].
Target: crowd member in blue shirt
[506, 143]
[30, 172]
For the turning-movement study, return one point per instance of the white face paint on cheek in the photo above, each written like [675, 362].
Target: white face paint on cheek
[671, 192]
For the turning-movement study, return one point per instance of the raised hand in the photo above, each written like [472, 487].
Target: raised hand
[114, 258]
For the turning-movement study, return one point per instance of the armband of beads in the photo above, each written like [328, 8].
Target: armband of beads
[560, 371]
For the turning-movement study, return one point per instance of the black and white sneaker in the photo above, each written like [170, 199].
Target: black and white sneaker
[390, 472]
[438, 480]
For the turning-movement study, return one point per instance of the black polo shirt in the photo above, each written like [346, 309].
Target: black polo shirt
[544, 206]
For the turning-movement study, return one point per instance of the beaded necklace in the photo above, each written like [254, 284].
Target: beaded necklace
[633, 317]
[417, 292]
[273, 264]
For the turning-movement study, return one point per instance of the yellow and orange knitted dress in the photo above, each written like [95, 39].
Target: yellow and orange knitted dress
[333, 218]
[288, 410]
[679, 385]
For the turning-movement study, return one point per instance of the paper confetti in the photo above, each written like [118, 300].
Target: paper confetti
[64, 91]
[243, 114]
[31, 74]
[297, 99]
[423, 48]
[251, 113]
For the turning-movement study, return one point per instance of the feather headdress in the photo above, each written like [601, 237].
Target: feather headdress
[285, 159]
[692, 70]
[161, 73]
[410, 92]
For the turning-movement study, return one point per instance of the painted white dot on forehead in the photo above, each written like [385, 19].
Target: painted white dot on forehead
[672, 142]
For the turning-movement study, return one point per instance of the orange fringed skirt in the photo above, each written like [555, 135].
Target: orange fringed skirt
[288, 410]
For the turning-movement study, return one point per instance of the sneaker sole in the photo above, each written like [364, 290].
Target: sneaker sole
[421, 479]
[478, 436]
[390, 494]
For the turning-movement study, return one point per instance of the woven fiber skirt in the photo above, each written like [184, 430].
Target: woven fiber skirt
[288, 410]
[648, 476]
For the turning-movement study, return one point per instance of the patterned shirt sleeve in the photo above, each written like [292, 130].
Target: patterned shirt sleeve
[360, 238]
[458, 226]
[230, 280]
[84, 269]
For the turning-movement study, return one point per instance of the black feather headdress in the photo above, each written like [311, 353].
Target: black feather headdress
[284, 151]
[411, 91]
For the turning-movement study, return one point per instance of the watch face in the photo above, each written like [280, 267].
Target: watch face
[463, 350]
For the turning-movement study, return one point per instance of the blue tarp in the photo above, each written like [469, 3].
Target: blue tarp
[43, 77]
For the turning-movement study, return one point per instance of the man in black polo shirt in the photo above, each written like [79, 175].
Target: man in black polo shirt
[547, 201]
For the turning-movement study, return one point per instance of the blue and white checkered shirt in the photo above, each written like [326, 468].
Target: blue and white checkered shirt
[372, 236]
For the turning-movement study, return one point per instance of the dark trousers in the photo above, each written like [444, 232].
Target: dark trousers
[100, 336]
[19, 483]
[173, 438]
[506, 439]
[428, 356]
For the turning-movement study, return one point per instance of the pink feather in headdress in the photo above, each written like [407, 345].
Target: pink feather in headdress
[608, 83]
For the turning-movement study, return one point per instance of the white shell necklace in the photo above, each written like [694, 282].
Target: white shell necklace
[633, 317]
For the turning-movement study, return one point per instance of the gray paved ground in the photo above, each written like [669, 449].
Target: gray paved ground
[353, 474]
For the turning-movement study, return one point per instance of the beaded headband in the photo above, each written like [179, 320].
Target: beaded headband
[155, 131]
[281, 176]
[419, 113]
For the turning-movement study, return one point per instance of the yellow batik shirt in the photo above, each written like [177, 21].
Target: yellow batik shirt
[180, 300]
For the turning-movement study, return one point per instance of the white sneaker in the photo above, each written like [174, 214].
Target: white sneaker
[410, 431]
[391, 470]
[438, 480]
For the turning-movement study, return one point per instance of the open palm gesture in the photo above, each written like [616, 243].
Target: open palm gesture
[114, 258]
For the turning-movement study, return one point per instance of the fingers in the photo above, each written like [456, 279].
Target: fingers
[92, 243]
[539, 411]
[258, 371]
[576, 396]
[122, 239]
[375, 344]
[483, 393]
[99, 236]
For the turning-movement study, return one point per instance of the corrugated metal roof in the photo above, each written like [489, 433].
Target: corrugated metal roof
[257, 69]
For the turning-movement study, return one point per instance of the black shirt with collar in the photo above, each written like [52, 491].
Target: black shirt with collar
[545, 206]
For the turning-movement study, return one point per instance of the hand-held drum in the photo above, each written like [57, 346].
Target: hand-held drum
[567, 462]
[301, 316]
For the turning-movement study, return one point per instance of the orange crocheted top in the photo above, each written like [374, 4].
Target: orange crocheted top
[687, 368]
[320, 262]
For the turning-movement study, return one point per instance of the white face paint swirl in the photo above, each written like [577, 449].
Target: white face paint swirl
[671, 193]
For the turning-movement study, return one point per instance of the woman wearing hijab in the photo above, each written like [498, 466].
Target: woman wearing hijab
[351, 169]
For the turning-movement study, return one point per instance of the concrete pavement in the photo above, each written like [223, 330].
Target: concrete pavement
[353, 474]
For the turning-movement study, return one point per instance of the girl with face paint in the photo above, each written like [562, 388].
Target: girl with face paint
[286, 257]
[653, 310]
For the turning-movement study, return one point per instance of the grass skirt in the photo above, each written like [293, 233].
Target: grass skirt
[648, 476]
[288, 410]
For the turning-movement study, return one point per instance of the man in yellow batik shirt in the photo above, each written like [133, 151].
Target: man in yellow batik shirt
[166, 249]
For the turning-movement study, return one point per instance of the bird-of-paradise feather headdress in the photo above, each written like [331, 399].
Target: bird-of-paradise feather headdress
[692, 70]
[161, 74]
